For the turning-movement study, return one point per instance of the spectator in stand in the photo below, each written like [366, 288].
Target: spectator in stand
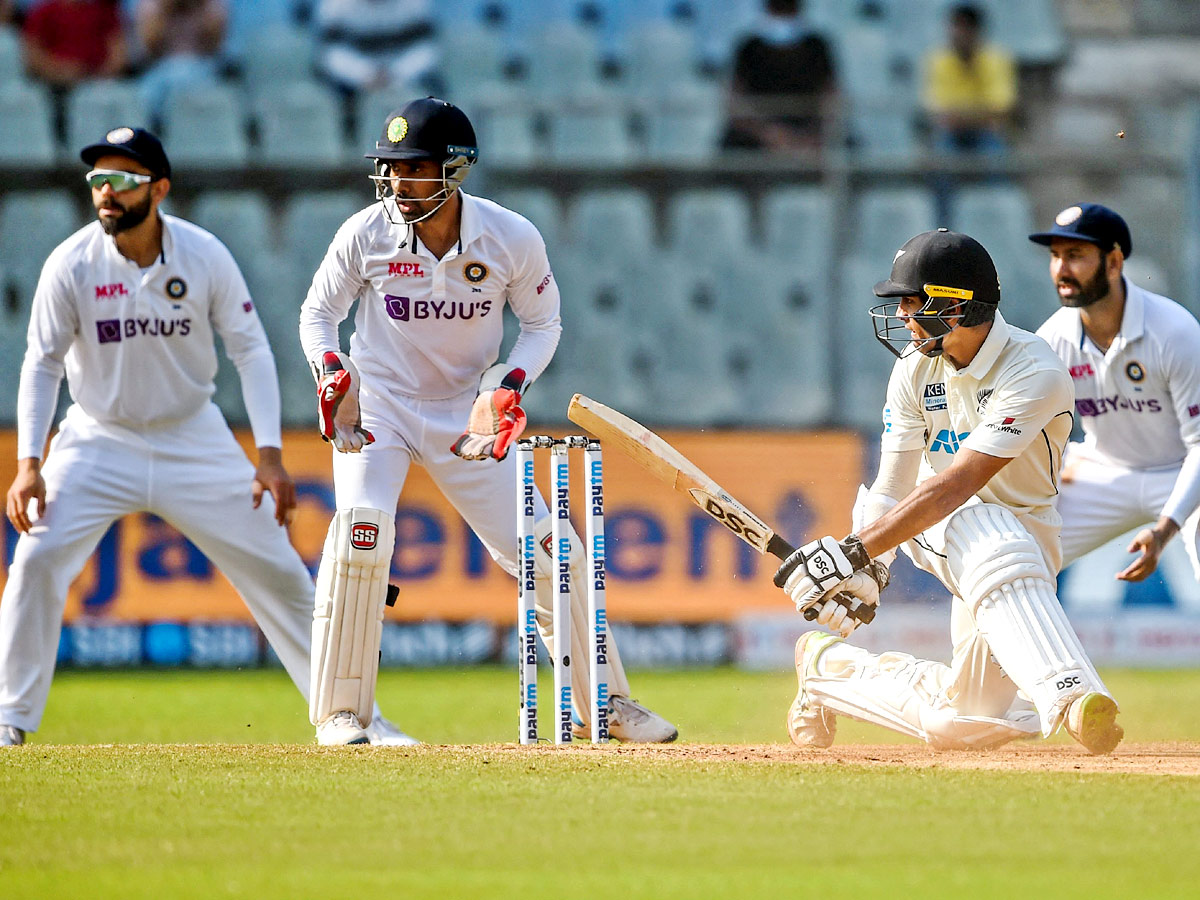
[784, 83]
[970, 88]
[370, 44]
[68, 41]
[182, 40]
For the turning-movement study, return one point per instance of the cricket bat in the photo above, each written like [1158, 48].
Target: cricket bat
[667, 464]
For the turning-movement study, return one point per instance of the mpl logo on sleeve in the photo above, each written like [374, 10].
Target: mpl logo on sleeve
[364, 535]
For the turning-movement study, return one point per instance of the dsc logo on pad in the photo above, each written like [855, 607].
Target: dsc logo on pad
[363, 536]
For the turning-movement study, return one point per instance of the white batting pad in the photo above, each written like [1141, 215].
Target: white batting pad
[618, 684]
[348, 616]
[1004, 580]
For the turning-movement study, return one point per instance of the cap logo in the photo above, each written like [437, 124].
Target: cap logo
[119, 135]
[939, 290]
[1068, 216]
[397, 129]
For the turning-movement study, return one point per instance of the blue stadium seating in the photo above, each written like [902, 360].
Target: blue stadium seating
[26, 138]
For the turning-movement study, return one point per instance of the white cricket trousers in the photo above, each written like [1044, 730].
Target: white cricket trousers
[193, 475]
[1104, 500]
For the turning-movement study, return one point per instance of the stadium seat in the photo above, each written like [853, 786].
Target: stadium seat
[472, 61]
[883, 135]
[798, 229]
[887, 217]
[540, 206]
[12, 68]
[562, 61]
[281, 53]
[206, 128]
[661, 55]
[591, 134]
[300, 123]
[310, 222]
[684, 125]
[241, 219]
[32, 224]
[506, 126]
[1031, 29]
[612, 227]
[371, 109]
[96, 107]
[26, 125]
[862, 365]
[701, 222]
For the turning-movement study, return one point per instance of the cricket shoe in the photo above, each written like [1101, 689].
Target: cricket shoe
[629, 721]
[340, 729]
[384, 733]
[808, 724]
[11, 736]
[1092, 720]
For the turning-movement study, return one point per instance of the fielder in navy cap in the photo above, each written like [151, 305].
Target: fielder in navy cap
[1089, 222]
[135, 143]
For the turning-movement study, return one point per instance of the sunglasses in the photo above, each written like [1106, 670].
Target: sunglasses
[116, 179]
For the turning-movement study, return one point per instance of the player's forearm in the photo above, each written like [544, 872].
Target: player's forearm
[260, 393]
[1185, 495]
[37, 397]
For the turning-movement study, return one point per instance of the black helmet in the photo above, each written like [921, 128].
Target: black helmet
[426, 129]
[954, 276]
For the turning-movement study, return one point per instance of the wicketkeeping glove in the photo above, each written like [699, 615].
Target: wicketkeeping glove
[836, 580]
[338, 413]
[496, 418]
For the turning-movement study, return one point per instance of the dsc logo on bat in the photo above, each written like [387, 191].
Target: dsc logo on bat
[740, 521]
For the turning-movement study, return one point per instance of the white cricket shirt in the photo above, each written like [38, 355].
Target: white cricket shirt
[1012, 401]
[427, 327]
[137, 346]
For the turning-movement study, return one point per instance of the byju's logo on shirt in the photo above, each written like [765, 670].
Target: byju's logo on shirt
[935, 396]
[404, 309]
[948, 441]
[110, 331]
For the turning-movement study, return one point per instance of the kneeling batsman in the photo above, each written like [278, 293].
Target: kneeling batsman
[835, 578]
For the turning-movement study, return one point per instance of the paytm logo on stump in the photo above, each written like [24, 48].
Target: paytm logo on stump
[948, 441]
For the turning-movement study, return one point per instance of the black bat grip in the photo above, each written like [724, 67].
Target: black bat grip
[777, 546]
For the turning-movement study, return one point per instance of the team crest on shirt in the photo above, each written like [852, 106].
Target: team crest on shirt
[1134, 371]
[983, 398]
[475, 272]
[176, 288]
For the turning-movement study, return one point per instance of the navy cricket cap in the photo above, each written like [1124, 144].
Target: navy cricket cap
[946, 259]
[136, 143]
[1089, 222]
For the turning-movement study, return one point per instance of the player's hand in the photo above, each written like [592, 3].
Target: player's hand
[28, 485]
[338, 413]
[271, 477]
[496, 418]
[822, 576]
[1149, 544]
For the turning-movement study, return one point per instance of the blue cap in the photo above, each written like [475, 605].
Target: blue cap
[1089, 222]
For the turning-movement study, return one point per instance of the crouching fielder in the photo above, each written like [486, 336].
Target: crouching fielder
[432, 269]
[976, 418]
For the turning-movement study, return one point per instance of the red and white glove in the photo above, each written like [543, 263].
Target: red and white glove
[496, 418]
[338, 413]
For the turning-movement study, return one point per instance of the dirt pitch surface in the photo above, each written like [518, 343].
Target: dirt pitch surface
[1136, 759]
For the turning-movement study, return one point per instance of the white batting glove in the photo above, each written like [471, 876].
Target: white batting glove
[496, 418]
[827, 584]
[338, 413]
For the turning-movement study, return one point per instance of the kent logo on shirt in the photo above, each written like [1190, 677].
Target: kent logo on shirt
[935, 396]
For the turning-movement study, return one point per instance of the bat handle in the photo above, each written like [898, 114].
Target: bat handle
[777, 546]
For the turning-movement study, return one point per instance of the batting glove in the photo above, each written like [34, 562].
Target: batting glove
[338, 413]
[496, 418]
[834, 583]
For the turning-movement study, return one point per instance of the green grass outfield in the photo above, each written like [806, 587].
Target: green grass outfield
[109, 801]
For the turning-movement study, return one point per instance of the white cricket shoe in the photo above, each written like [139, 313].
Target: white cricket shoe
[1092, 720]
[629, 721]
[340, 729]
[11, 736]
[384, 733]
[808, 724]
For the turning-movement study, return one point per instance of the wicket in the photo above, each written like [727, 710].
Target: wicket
[560, 552]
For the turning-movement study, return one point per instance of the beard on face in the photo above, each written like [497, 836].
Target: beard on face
[1094, 290]
[130, 217]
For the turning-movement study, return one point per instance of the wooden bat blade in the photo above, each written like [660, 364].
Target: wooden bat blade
[666, 463]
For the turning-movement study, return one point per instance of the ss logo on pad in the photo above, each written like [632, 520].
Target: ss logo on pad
[363, 536]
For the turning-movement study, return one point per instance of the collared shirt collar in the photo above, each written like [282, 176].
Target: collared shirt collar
[1133, 319]
[989, 351]
[168, 242]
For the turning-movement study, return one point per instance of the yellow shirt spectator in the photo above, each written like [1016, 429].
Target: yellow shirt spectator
[986, 84]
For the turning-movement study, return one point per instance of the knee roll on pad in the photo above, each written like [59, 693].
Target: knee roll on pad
[348, 615]
[989, 548]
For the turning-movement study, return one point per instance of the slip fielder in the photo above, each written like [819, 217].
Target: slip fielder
[432, 268]
[1135, 359]
[976, 418]
[128, 307]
